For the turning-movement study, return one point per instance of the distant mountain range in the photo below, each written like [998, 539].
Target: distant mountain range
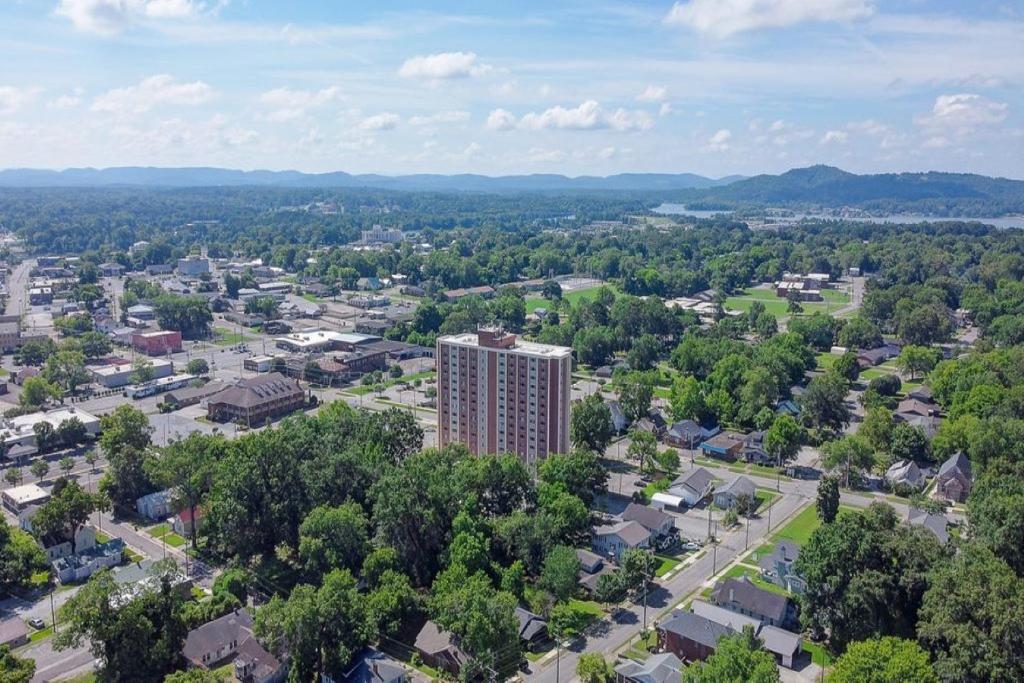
[946, 194]
[213, 177]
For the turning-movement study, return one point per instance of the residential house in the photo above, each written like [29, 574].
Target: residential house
[784, 645]
[13, 632]
[230, 639]
[620, 423]
[111, 269]
[905, 473]
[922, 393]
[912, 406]
[85, 563]
[693, 487]
[186, 521]
[928, 425]
[159, 269]
[157, 505]
[369, 284]
[728, 495]
[689, 434]
[484, 291]
[953, 481]
[610, 540]
[659, 524]
[936, 523]
[753, 449]
[372, 666]
[660, 668]
[871, 357]
[592, 568]
[533, 629]
[741, 595]
[689, 637]
[777, 567]
[726, 445]
[438, 648]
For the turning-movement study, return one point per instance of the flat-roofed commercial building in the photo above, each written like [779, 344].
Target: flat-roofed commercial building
[499, 394]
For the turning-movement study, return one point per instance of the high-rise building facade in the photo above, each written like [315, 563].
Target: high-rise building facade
[499, 394]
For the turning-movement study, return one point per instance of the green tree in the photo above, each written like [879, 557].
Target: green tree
[95, 344]
[334, 538]
[67, 463]
[13, 475]
[186, 467]
[135, 640]
[643, 448]
[71, 431]
[850, 452]
[917, 360]
[579, 471]
[877, 428]
[686, 399]
[827, 502]
[392, 603]
[846, 366]
[34, 352]
[66, 368]
[20, 556]
[142, 371]
[823, 404]
[560, 575]
[321, 629]
[909, 443]
[883, 660]
[36, 391]
[737, 658]
[859, 333]
[866, 575]
[197, 366]
[483, 618]
[783, 438]
[591, 667]
[66, 512]
[995, 510]
[593, 345]
[125, 438]
[190, 315]
[194, 676]
[39, 468]
[14, 669]
[590, 426]
[643, 355]
[265, 306]
[970, 618]
[635, 395]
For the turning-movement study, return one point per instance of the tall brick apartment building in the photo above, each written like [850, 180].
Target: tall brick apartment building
[498, 394]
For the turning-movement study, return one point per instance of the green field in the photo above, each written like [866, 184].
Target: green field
[778, 307]
[223, 336]
[573, 297]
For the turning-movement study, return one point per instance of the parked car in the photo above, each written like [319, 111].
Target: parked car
[37, 623]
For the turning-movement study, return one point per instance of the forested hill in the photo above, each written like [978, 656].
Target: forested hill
[424, 182]
[939, 193]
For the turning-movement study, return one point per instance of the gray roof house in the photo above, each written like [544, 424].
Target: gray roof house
[905, 473]
[660, 668]
[693, 486]
[620, 423]
[953, 481]
[533, 629]
[740, 595]
[659, 523]
[230, 638]
[728, 495]
[690, 637]
[935, 523]
[689, 434]
[373, 666]
[777, 567]
[611, 540]
[438, 648]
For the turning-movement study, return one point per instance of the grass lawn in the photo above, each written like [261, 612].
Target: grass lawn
[39, 579]
[766, 498]
[223, 336]
[819, 655]
[754, 575]
[833, 299]
[174, 540]
[588, 609]
[81, 678]
[666, 564]
[800, 528]
[574, 297]
[158, 530]
[826, 360]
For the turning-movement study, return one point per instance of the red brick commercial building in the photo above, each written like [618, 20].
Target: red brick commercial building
[498, 394]
[256, 400]
[157, 343]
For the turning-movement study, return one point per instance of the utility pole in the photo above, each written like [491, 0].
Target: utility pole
[746, 542]
[53, 614]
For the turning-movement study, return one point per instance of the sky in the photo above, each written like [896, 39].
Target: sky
[714, 87]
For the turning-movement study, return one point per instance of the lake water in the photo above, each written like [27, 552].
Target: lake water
[1004, 222]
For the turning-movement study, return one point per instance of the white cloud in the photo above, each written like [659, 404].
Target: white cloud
[384, 121]
[719, 142]
[652, 93]
[443, 66]
[440, 117]
[151, 92]
[665, 109]
[285, 104]
[606, 153]
[964, 112]
[12, 99]
[936, 142]
[499, 119]
[65, 102]
[725, 17]
[108, 17]
[543, 155]
[587, 116]
[835, 136]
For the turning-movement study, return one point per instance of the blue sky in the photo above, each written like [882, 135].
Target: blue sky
[706, 86]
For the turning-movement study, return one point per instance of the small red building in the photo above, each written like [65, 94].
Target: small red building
[157, 343]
